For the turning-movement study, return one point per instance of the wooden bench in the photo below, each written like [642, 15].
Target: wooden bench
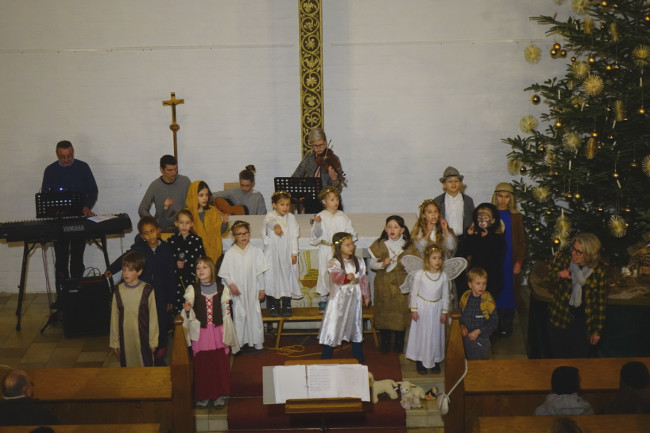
[90, 428]
[515, 387]
[159, 395]
[541, 424]
[311, 314]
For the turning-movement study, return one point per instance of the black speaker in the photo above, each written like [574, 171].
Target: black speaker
[86, 306]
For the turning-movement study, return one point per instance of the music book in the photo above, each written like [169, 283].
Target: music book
[316, 381]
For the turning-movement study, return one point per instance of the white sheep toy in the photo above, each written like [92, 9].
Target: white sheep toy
[385, 386]
[411, 394]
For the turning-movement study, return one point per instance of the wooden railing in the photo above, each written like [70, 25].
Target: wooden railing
[160, 395]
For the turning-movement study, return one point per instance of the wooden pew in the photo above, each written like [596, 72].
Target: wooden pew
[90, 428]
[541, 424]
[311, 314]
[516, 387]
[122, 395]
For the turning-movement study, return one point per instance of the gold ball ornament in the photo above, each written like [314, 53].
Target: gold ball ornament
[591, 60]
[556, 241]
[548, 212]
[535, 99]
[563, 54]
[641, 110]
[608, 68]
[646, 18]
[556, 46]
[615, 174]
[558, 124]
[553, 53]
[634, 164]
[573, 59]
[523, 170]
[627, 209]
[594, 134]
[600, 208]
[577, 196]
[537, 229]
[603, 3]
[568, 194]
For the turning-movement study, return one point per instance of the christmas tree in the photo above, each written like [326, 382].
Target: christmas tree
[585, 164]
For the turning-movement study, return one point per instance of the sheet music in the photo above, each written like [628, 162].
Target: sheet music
[290, 382]
[321, 381]
[352, 381]
[100, 218]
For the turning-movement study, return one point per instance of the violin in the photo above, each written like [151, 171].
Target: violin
[329, 159]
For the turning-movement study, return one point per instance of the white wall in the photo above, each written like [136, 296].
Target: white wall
[410, 87]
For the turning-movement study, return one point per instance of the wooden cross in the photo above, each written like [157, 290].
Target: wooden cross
[173, 102]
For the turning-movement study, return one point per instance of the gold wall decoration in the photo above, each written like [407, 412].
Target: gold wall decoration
[311, 71]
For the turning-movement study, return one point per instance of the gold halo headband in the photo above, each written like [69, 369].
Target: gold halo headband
[330, 189]
[349, 236]
[240, 223]
[426, 203]
[432, 248]
[283, 193]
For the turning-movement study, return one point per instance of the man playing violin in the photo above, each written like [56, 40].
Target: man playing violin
[318, 163]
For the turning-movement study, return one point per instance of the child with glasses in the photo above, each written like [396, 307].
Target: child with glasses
[243, 270]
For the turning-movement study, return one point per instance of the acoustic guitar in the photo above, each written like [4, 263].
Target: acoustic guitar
[225, 206]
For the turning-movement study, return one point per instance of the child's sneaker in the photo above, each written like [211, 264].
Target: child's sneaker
[220, 402]
[321, 307]
[202, 403]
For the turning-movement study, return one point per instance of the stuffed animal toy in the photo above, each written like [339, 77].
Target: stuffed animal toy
[385, 386]
[411, 395]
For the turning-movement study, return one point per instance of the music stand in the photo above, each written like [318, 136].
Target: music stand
[56, 204]
[304, 192]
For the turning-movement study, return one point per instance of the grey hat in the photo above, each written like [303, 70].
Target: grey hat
[450, 172]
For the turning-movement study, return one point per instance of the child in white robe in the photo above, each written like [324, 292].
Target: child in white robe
[243, 270]
[429, 304]
[326, 223]
[280, 233]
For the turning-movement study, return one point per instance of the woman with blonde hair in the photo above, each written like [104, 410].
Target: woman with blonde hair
[577, 312]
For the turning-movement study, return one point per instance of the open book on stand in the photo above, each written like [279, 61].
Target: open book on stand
[286, 382]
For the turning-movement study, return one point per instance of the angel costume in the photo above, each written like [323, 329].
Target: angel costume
[245, 268]
[430, 298]
[281, 280]
[210, 331]
[321, 235]
[343, 317]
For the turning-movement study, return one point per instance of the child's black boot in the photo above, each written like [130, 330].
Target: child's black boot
[273, 305]
[286, 306]
[385, 340]
[399, 341]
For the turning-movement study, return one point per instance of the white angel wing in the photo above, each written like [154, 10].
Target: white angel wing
[411, 264]
[454, 267]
